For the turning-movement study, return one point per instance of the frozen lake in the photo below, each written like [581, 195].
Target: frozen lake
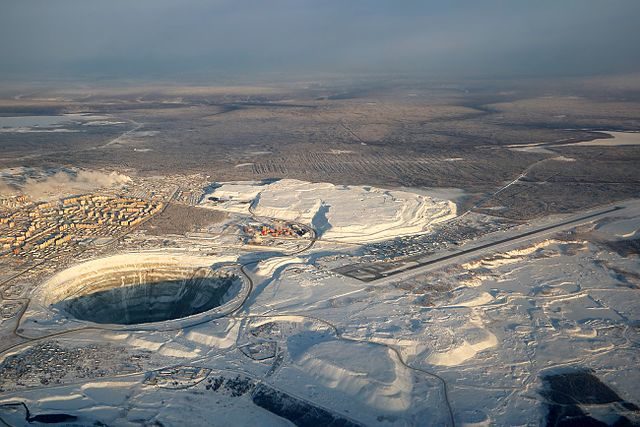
[619, 138]
[32, 121]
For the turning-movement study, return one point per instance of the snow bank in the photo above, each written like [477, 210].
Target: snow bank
[510, 257]
[173, 349]
[475, 337]
[624, 229]
[269, 266]
[463, 352]
[108, 392]
[204, 335]
[371, 373]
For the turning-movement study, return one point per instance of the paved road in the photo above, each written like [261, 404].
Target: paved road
[474, 249]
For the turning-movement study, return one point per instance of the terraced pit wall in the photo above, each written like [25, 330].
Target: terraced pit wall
[140, 291]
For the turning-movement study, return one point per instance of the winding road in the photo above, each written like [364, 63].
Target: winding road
[476, 249]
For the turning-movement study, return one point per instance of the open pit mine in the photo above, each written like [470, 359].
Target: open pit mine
[134, 289]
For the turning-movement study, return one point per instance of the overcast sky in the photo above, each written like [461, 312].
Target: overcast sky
[255, 39]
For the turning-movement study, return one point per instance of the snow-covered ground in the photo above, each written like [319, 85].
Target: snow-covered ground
[618, 138]
[471, 342]
[353, 214]
[46, 313]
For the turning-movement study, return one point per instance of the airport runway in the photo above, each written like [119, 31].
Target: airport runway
[477, 248]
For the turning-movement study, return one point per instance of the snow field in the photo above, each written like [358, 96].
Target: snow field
[342, 213]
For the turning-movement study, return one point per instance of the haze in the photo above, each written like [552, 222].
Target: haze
[285, 39]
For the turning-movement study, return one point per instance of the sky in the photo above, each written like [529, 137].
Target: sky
[260, 39]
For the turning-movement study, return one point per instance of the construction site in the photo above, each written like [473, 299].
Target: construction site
[258, 233]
